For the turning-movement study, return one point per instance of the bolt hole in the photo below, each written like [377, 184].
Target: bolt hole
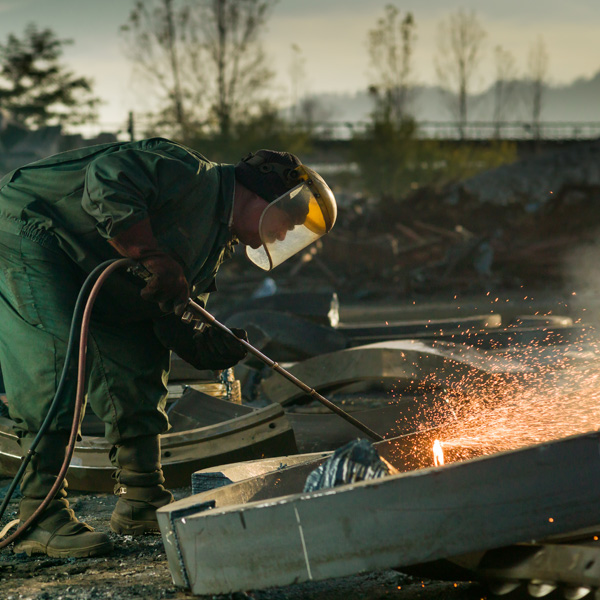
[589, 565]
[167, 453]
[272, 426]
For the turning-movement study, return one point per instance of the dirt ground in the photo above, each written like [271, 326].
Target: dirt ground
[138, 569]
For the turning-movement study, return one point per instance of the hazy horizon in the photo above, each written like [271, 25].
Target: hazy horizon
[331, 35]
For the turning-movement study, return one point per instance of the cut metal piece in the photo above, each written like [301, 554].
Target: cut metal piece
[265, 532]
[277, 333]
[484, 332]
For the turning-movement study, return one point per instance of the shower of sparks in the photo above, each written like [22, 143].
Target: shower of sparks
[555, 395]
[520, 414]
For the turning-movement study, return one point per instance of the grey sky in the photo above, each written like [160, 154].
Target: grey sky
[331, 35]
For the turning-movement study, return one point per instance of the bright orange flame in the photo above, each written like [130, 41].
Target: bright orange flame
[438, 454]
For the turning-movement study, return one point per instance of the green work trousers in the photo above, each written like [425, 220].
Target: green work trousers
[127, 367]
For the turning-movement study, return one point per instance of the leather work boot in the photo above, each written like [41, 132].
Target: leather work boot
[57, 532]
[139, 486]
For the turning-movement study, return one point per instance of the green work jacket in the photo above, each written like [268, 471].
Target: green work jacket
[81, 198]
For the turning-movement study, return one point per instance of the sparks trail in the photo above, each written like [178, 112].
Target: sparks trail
[556, 395]
[531, 415]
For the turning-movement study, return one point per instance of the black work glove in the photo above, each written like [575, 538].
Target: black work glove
[215, 349]
[166, 283]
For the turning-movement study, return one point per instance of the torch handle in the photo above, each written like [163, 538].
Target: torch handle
[194, 307]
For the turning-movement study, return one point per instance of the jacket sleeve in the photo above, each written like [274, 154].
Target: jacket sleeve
[124, 187]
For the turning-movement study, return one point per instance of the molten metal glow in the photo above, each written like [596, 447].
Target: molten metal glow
[438, 454]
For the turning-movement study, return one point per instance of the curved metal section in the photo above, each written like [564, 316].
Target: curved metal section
[256, 434]
[408, 362]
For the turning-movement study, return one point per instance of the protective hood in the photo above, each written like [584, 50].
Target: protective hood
[294, 220]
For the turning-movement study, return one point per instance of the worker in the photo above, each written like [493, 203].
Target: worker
[178, 215]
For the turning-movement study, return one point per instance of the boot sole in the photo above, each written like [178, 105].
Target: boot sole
[126, 527]
[31, 547]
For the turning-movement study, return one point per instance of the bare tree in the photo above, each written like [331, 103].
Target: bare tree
[537, 65]
[391, 45]
[505, 86]
[460, 45]
[157, 35]
[232, 30]
[206, 56]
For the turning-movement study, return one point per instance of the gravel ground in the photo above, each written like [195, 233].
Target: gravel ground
[137, 569]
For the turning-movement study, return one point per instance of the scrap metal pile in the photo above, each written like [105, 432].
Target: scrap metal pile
[491, 423]
[533, 222]
[523, 223]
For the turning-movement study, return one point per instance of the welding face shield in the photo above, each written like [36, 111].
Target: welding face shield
[296, 219]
